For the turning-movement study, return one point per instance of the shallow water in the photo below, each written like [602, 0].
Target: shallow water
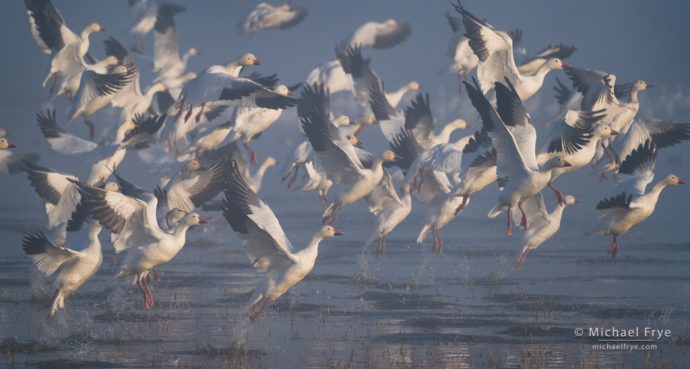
[468, 307]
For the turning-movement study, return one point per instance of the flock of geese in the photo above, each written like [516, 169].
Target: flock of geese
[196, 129]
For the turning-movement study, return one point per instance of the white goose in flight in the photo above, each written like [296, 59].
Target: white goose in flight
[633, 203]
[74, 267]
[543, 224]
[222, 85]
[339, 159]
[266, 244]
[494, 49]
[54, 37]
[514, 138]
[266, 16]
[136, 232]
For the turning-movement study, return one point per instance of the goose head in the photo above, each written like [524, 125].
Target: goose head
[193, 166]
[328, 231]
[270, 161]
[673, 180]
[604, 131]
[354, 141]
[94, 27]
[248, 60]
[192, 52]
[570, 200]
[110, 60]
[6, 144]
[556, 64]
[554, 163]
[194, 219]
[459, 124]
[414, 86]
[174, 217]
[112, 186]
[389, 156]
[368, 119]
[641, 85]
[342, 120]
[282, 90]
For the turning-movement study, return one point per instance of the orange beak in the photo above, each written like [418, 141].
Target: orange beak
[565, 65]
[680, 181]
[338, 232]
[257, 62]
[202, 220]
[11, 144]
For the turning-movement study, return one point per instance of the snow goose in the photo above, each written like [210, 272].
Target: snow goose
[416, 117]
[532, 64]
[254, 179]
[459, 49]
[62, 200]
[266, 244]
[106, 158]
[543, 226]
[54, 37]
[363, 77]
[188, 189]
[331, 75]
[494, 49]
[633, 204]
[250, 122]
[339, 160]
[598, 90]
[514, 138]
[267, 16]
[142, 17]
[316, 180]
[440, 213]
[381, 35]
[221, 85]
[480, 173]
[389, 210]
[137, 233]
[575, 139]
[10, 162]
[130, 98]
[662, 133]
[96, 91]
[396, 97]
[167, 62]
[74, 267]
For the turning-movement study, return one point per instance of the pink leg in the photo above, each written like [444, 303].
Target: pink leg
[252, 154]
[509, 230]
[521, 259]
[189, 114]
[523, 221]
[613, 249]
[92, 128]
[148, 296]
[558, 193]
[255, 311]
[438, 242]
[324, 200]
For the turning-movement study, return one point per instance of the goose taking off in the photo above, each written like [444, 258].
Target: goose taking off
[221, 85]
[136, 232]
[54, 37]
[494, 49]
[632, 204]
[74, 267]
[266, 244]
[267, 16]
[514, 138]
[543, 226]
